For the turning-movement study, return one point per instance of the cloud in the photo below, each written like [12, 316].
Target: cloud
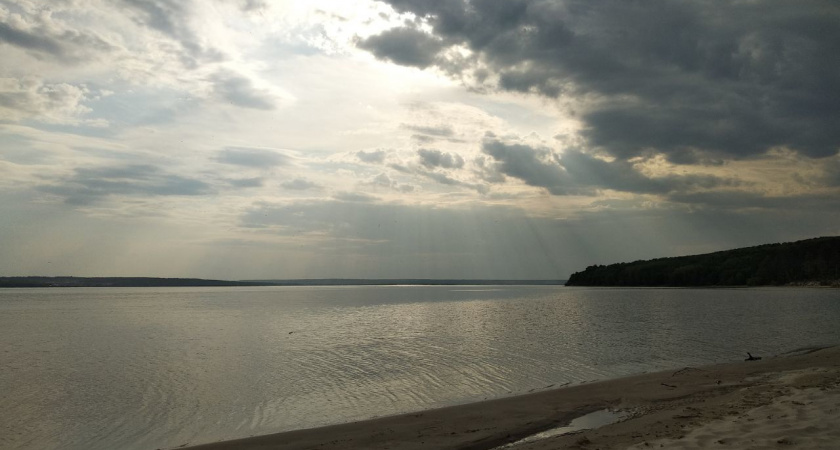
[535, 166]
[831, 172]
[444, 131]
[741, 200]
[300, 184]
[693, 156]
[29, 41]
[383, 180]
[377, 156]
[246, 182]
[355, 197]
[620, 175]
[42, 35]
[252, 5]
[405, 46]
[172, 18]
[447, 180]
[735, 79]
[240, 91]
[31, 98]
[438, 177]
[430, 159]
[252, 157]
[578, 173]
[442, 178]
[89, 185]
[427, 134]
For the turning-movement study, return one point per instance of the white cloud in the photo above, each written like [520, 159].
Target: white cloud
[57, 103]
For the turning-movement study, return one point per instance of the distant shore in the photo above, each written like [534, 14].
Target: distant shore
[43, 282]
[755, 404]
[811, 262]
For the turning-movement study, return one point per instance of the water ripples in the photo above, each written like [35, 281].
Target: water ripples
[151, 368]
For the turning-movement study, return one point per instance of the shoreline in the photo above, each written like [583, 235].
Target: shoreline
[663, 408]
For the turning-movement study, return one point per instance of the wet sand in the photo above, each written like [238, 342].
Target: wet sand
[789, 401]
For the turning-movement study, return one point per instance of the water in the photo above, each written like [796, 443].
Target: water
[151, 368]
[595, 419]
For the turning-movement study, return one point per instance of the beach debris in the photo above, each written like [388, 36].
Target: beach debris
[668, 385]
[750, 357]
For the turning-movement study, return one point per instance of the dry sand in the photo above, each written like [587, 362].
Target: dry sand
[784, 402]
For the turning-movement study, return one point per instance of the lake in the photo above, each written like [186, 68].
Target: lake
[148, 368]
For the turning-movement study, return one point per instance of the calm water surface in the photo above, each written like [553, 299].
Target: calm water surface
[149, 368]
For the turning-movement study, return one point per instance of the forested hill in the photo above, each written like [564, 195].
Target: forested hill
[808, 262]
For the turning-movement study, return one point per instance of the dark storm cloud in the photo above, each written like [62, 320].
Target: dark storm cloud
[431, 158]
[828, 175]
[693, 156]
[372, 156]
[620, 175]
[88, 185]
[669, 76]
[241, 91]
[252, 157]
[578, 173]
[534, 166]
[406, 46]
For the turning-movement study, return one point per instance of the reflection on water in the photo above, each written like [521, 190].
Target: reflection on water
[589, 421]
[148, 368]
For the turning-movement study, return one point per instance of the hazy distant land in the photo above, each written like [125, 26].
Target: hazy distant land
[405, 281]
[37, 281]
[812, 262]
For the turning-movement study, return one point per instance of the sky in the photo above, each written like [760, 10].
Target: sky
[493, 139]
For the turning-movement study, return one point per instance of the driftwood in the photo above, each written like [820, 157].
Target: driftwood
[752, 358]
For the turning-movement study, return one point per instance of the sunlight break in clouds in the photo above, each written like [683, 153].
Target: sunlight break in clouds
[484, 139]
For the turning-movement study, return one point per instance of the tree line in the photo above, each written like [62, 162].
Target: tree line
[809, 262]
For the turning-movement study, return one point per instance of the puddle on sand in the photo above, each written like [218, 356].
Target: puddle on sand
[589, 421]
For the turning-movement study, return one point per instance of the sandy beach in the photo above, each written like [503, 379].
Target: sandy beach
[790, 401]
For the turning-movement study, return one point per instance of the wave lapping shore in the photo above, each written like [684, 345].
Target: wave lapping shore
[792, 401]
